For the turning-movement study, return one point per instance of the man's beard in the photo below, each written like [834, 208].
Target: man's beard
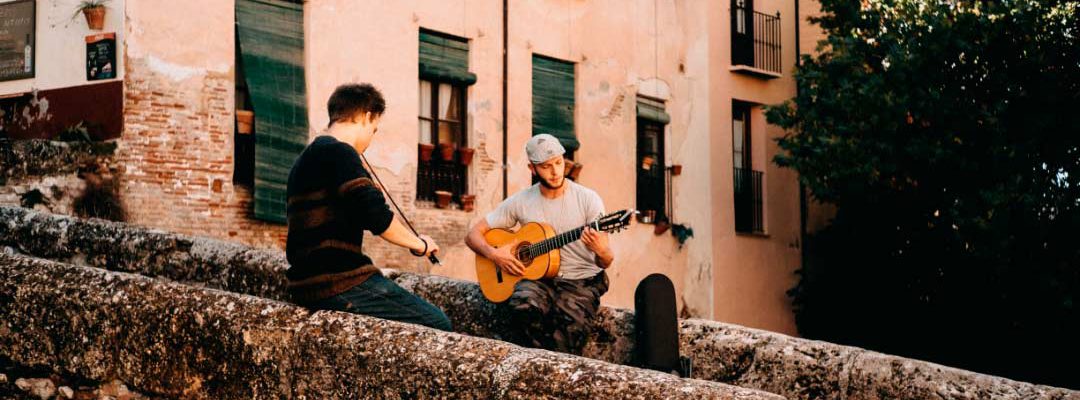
[544, 182]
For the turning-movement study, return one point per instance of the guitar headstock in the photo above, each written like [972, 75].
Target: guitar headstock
[615, 221]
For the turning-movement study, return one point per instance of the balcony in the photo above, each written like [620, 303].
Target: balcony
[755, 41]
[749, 207]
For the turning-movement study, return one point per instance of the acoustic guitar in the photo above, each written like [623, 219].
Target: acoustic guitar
[537, 246]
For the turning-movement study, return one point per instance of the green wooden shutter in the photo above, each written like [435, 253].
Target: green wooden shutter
[553, 100]
[272, 47]
[652, 110]
[445, 58]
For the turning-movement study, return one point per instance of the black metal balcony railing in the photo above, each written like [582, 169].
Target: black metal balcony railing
[756, 39]
[749, 206]
[435, 175]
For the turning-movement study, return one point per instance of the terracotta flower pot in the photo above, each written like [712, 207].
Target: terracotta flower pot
[676, 170]
[446, 151]
[425, 150]
[575, 172]
[442, 198]
[468, 202]
[661, 226]
[465, 155]
[95, 17]
[245, 122]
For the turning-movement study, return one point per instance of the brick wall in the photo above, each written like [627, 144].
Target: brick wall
[176, 155]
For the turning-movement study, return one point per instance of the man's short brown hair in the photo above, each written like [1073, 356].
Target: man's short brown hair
[353, 99]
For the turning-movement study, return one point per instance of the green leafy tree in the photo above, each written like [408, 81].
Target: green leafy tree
[947, 135]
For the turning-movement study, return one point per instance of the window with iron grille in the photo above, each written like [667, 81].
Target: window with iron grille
[748, 201]
[443, 154]
[652, 176]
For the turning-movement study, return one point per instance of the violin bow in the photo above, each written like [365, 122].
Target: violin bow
[431, 257]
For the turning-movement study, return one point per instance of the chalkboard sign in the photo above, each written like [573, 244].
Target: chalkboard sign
[17, 49]
[101, 56]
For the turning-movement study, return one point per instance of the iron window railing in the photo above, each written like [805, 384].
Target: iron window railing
[749, 207]
[755, 38]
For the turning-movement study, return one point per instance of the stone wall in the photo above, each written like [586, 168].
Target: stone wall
[181, 341]
[51, 169]
[792, 367]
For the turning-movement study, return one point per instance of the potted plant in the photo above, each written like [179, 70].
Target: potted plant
[245, 122]
[442, 198]
[681, 233]
[446, 150]
[425, 150]
[647, 162]
[94, 11]
[465, 155]
[468, 202]
[575, 171]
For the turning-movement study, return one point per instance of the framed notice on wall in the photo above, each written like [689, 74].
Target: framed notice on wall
[101, 56]
[17, 49]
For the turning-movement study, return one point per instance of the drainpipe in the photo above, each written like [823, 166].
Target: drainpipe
[505, 90]
[802, 188]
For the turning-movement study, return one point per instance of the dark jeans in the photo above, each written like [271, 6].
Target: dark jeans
[382, 298]
[557, 314]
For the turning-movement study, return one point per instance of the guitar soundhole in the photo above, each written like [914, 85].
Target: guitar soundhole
[522, 252]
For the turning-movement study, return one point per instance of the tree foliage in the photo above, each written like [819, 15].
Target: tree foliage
[947, 134]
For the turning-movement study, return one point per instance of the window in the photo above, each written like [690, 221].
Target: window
[442, 134]
[553, 101]
[443, 155]
[652, 177]
[749, 217]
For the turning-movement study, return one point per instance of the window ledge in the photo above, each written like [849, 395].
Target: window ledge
[758, 72]
[429, 205]
[759, 235]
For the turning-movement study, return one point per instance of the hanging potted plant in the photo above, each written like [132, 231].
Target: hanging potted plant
[681, 233]
[94, 11]
[425, 150]
[465, 155]
[446, 150]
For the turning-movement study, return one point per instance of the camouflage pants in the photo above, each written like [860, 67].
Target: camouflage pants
[556, 314]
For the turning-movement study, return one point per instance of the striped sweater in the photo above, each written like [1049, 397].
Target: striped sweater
[331, 200]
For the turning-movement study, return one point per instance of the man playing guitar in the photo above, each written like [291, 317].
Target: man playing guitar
[554, 313]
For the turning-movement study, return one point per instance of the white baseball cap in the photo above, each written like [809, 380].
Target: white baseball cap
[542, 147]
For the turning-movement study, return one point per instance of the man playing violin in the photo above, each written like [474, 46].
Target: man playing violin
[331, 201]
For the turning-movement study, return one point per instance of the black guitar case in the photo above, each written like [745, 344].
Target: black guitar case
[657, 326]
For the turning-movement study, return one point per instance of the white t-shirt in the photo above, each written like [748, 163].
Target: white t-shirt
[577, 206]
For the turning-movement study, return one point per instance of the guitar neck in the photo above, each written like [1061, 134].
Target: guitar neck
[556, 242]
